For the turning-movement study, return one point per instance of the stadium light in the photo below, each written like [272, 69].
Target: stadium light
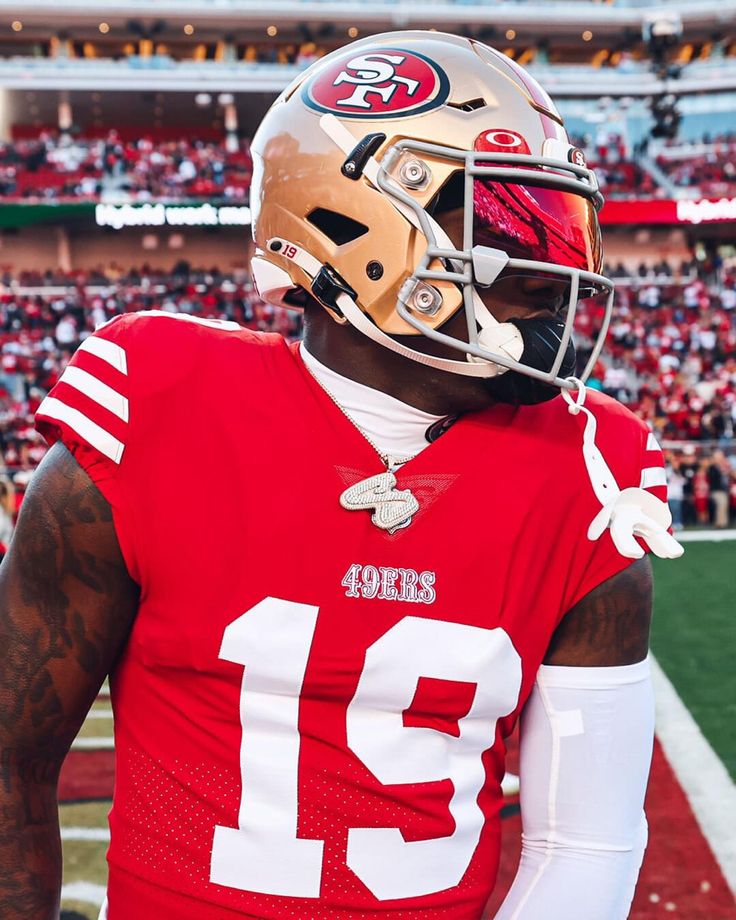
[661, 31]
[16, 25]
[104, 27]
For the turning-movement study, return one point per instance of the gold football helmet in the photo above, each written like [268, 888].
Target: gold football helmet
[356, 158]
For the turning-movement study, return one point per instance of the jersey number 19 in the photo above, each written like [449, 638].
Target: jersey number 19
[272, 641]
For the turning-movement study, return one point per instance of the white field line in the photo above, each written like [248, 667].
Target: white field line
[84, 891]
[100, 714]
[704, 536]
[86, 833]
[93, 744]
[702, 775]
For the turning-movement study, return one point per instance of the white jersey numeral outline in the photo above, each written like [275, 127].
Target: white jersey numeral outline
[273, 641]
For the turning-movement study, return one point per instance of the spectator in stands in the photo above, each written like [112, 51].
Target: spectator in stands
[718, 474]
[676, 489]
[701, 493]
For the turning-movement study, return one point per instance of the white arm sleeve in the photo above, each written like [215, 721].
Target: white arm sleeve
[586, 747]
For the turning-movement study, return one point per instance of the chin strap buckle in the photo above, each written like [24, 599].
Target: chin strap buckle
[327, 286]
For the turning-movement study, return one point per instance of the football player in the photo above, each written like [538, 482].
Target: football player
[421, 526]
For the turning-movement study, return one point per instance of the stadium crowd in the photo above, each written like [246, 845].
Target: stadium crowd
[54, 167]
[705, 167]
[671, 354]
[57, 167]
[708, 165]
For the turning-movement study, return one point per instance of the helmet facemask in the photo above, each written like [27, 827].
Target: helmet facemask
[512, 203]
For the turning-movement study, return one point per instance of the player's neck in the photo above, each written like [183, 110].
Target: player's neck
[351, 354]
[394, 428]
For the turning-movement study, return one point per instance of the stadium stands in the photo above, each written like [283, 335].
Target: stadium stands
[706, 167]
[671, 354]
[55, 167]
[49, 166]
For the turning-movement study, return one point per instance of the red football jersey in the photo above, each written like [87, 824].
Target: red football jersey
[310, 713]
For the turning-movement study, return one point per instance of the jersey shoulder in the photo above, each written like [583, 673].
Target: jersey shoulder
[606, 408]
[160, 348]
[626, 442]
[137, 369]
[616, 425]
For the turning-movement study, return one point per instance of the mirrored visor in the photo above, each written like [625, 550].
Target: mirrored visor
[530, 222]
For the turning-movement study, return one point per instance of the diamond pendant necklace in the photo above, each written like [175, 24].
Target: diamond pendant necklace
[392, 508]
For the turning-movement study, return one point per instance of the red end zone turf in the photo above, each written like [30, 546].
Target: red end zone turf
[679, 878]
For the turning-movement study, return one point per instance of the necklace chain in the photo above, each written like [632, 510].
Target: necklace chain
[391, 509]
[390, 462]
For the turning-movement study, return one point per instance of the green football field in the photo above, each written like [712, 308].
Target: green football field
[694, 640]
[694, 637]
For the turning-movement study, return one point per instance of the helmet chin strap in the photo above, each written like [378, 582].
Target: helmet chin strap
[357, 318]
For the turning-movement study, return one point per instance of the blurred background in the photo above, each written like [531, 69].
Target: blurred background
[124, 185]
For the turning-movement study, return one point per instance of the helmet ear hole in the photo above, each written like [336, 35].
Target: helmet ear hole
[337, 227]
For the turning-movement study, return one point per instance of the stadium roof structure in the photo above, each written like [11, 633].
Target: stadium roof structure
[555, 16]
[160, 73]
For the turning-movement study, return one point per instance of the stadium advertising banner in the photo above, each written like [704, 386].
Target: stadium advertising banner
[667, 211]
[160, 215]
[205, 214]
[127, 215]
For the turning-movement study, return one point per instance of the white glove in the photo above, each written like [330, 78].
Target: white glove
[637, 513]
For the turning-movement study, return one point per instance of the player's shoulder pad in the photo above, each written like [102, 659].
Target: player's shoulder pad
[625, 440]
[160, 348]
[612, 416]
[628, 444]
[610, 411]
[114, 378]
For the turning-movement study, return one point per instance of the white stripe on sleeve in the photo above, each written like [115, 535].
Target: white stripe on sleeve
[652, 443]
[107, 351]
[96, 390]
[91, 432]
[653, 476]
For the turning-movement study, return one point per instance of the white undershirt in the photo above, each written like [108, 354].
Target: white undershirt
[395, 428]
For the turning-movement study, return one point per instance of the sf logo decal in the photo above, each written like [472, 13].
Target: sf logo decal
[385, 83]
[374, 73]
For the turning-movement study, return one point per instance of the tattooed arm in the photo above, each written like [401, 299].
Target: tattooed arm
[586, 743]
[67, 605]
[609, 626]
